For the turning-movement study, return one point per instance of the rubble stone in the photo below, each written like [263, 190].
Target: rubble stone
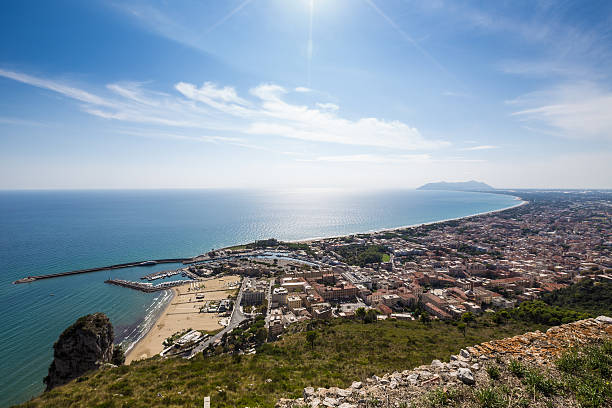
[466, 376]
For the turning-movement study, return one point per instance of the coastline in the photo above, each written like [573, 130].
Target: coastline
[522, 202]
[150, 336]
[129, 351]
[181, 313]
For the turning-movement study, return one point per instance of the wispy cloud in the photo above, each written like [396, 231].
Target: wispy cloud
[372, 158]
[20, 122]
[481, 147]
[391, 159]
[581, 110]
[220, 109]
[327, 106]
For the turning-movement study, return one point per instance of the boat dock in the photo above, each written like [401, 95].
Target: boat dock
[161, 274]
[102, 268]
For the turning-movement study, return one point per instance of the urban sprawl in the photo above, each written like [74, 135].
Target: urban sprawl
[443, 270]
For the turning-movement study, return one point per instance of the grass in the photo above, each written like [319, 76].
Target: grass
[489, 397]
[589, 374]
[344, 351]
[493, 372]
[386, 257]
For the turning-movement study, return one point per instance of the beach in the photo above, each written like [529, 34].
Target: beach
[182, 313]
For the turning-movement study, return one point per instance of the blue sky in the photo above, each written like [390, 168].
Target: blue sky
[305, 93]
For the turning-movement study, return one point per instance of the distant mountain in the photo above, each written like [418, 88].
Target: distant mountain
[459, 186]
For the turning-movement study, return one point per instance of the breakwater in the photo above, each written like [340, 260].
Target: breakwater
[101, 268]
[145, 286]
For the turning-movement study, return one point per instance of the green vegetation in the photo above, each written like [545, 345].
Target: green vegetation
[362, 255]
[586, 296]
[588, 372]
[539, 312]
[489, 397]
[440, 397]
[344, 351]
[580, 378]
[274, 243]
[493, 372]
[242, 338]
[118, 357]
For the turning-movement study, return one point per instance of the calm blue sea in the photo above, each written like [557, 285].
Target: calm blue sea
[44, 232]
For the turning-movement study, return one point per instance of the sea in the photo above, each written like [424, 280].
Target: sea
[44, 232]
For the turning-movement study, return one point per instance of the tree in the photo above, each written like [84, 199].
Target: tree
[467, 317]
[261, 335]
[118, 357]
[370, 316]
[463, 327]
[360, 313]
[425, 319]
[311, 336]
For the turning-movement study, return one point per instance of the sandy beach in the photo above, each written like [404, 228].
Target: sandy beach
[183, 313]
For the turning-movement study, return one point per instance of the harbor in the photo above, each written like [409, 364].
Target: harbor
[29, 279]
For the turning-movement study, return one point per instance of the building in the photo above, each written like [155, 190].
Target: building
[254, 292]
[294, 302]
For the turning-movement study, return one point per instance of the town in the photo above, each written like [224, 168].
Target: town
[447, 270]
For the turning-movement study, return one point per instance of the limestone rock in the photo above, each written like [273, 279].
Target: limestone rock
[466, 376]
[82, 347]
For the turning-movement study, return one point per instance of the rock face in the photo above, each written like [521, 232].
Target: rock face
[82, 347]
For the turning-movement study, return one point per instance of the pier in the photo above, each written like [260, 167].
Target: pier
[161, 274]
[145, 286]
[102, 268]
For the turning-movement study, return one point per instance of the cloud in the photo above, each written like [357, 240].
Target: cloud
[390, 159]
[221, 110]
[302, 89]
[581, 110]
[68, 91]
[19, 122]
[481, 147]
[328, 106]
[373, 158]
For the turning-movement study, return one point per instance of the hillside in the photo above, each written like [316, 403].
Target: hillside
[343, 351]
[568, 366]
[471, 185]
[587, 296]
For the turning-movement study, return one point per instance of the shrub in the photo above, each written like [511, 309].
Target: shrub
[440, 397]
[489, 397]
[516, 368]
[493, 372]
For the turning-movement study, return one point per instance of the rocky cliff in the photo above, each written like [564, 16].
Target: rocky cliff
[483, 372]
[82, 347]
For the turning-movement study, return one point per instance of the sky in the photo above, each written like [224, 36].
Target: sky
[305, 93]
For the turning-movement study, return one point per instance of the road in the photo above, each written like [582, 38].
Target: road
[269, 300]
[236, 318]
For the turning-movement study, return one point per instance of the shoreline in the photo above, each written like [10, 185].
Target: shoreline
[166, 324]
[150, 327]
[146, 336]
[375, 231]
